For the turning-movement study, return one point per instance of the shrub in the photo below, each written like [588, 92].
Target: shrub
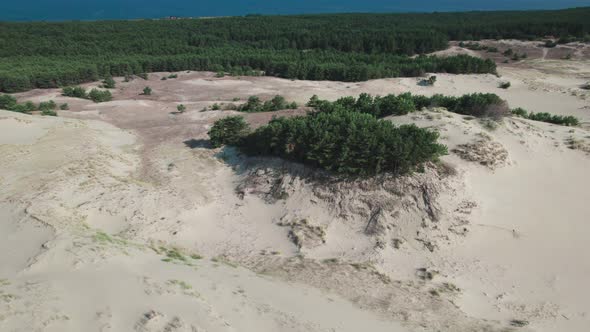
[230, 131]
[49, 113]
[216, 107]
[47, 106]
[346, 142]
[314, 101]
[432, 80]
[521, 112]
[108, 83]
[64, 107]
[7, 102]
[504, 85]
[75, 92]
[181, 108]
[477, 104]
[508, 52]
[99, 96]
[143, 75]
[220, 74]
[555, 119]
[547, 117]
[147, 91]
[254, 104]
[172, 76]
[29, 106]
[586, 86]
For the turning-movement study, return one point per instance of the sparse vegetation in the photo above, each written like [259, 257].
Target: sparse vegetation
[97, 96]
[9, 103]
[147, 91]
[254, 104]
[75, 92]
[100, 96]
[108, 83]
[48, 108]
[477, 104]
[47, 105]
[564, 120]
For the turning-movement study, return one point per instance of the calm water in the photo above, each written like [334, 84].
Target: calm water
[23, 10]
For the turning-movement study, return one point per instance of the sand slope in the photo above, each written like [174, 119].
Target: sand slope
[103, 207]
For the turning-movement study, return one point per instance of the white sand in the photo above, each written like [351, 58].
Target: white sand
[510, 236]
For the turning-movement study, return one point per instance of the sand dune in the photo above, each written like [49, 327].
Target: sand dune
[118, 216]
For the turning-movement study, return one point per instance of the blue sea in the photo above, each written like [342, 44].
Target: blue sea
[57, 10]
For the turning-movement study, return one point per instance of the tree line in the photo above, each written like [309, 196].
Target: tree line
[475, 104]
[343, 47]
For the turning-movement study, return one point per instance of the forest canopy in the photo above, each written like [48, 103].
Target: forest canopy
[344, 47]
[343, 142]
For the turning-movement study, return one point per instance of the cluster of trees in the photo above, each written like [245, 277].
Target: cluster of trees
[9, 103]
[342, 141]
[254, 104]
[477, 104]
[97, 96]
[564, 120]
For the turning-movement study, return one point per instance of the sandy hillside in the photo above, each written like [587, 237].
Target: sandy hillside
[119, 216]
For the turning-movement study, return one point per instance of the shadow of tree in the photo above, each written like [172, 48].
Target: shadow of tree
[198, 143]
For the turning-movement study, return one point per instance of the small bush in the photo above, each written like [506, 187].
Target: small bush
[504, 85]
[64, 107]
[254, 104]
[230, 131]
[49, 113]
[108, 83]
[521, 112]
[147, 91]
[7, 102]
[99, 96]
[216, 107]
[220, 74]
[143, 75]
[432, 80]
[47, 106]
[75, 92]
[564, 120]
[586, 86]
[555, 119]
[549, 44]
[181, 108]
[173, 76]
